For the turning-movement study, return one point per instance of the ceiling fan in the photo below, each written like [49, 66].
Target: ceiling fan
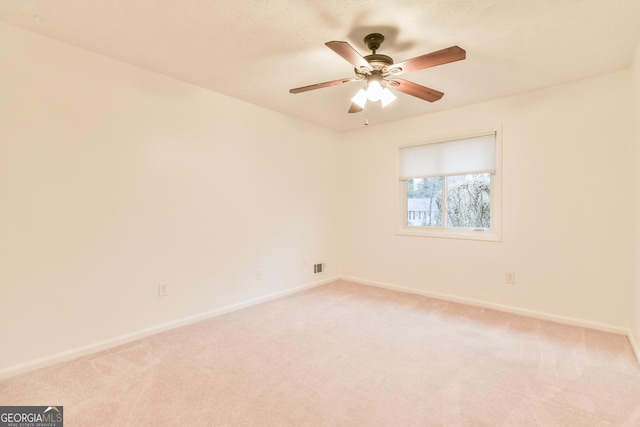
[380, 72]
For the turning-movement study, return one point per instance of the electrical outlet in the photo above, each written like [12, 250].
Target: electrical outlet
[258, 275]
[163, 289]
[510, 278]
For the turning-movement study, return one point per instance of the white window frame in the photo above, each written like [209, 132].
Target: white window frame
[494, 233]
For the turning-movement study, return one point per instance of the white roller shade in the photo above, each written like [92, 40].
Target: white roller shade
[458, 157]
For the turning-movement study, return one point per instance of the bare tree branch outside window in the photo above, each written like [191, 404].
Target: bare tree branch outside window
[468, 201]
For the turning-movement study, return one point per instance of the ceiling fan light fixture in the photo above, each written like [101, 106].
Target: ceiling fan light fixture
[374, 90]
[387, 97]
[360, 98]
[382, 94]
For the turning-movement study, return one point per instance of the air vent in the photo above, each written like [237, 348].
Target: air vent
[318, 268]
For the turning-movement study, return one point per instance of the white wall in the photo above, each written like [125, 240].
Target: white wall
[566, 216]
[635, 87]
[114, 178]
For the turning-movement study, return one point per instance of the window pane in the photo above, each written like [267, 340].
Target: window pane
[424, 202]
[469, 201]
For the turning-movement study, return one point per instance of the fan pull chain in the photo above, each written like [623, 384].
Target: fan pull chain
[366, 119]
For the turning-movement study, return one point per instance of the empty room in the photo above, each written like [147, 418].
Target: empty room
[322, 213]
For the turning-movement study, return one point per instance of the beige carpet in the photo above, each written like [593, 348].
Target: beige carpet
[349, 355]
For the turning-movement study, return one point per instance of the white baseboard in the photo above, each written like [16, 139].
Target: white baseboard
[634, 345]
[124, 339]
[509, 309]
[499, 307]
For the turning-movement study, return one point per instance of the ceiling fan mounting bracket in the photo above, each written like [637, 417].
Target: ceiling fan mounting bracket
[373, 41]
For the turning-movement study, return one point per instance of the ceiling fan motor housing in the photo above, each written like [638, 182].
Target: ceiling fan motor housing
[377, 61]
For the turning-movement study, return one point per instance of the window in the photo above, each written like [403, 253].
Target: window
[451, 188]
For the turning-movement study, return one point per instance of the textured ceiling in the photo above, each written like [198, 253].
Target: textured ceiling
[257, 50]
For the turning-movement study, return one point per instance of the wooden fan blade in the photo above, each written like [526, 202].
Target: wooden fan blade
[346, 51]
[321, 85]
[355, 108]
[416, 90]
[444, 56]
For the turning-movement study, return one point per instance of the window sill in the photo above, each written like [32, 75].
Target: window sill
[483, 235]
